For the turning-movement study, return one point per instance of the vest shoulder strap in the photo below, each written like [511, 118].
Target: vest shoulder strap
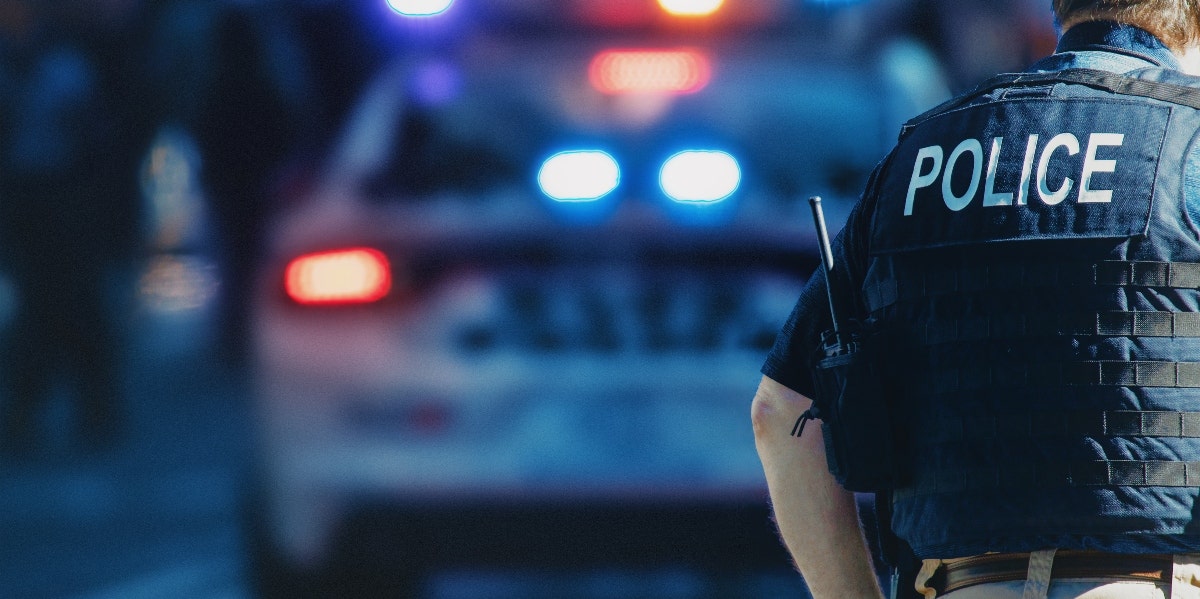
[1115, 83]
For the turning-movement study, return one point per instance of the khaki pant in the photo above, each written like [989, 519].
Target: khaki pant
[1184, 584]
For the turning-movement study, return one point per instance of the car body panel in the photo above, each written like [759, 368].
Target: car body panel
[534, 352]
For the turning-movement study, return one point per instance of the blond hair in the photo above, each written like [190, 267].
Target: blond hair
[1175, 22]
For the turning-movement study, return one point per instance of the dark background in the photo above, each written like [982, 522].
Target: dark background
[144, 144]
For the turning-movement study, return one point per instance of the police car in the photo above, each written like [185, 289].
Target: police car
[518, 318]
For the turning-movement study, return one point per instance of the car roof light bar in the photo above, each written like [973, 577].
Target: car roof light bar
[633, 71]
[419, 8]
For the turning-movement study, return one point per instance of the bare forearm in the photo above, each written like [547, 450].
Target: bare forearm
[817, 518]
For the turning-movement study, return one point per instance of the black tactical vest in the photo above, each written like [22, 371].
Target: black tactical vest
[1039, 277]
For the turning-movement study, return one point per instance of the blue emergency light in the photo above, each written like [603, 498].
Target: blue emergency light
[579, 175]
[700, 176]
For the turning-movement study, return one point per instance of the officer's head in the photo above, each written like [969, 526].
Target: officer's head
[1175, 22]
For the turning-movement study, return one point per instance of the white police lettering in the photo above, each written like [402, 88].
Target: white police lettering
[1051, 198]
[1026, 171]
[1091, 165]
[990, 197]
[929, 166]
[923, 180]
[954, 202]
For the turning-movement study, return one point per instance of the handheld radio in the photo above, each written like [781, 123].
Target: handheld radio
[851, 400]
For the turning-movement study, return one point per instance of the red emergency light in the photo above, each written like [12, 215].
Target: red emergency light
[665, 71]
[690, 8]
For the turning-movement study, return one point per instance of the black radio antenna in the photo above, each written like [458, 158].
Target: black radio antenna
[826, 261]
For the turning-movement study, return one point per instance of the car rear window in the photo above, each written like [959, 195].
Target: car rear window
[480, 120]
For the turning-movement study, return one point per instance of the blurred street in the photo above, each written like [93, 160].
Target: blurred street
[521, 254]
[155, 516]
[159, 515]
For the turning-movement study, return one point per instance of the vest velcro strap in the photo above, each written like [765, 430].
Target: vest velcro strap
[912, 284]
[1185, 375]
[1107, 324]
[1100, 473]
[1078, 423]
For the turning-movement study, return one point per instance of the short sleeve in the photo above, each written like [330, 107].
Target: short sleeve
[788, 362]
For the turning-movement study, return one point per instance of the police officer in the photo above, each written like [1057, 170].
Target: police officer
[1027, 262]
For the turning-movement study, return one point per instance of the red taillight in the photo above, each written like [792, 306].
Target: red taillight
[348, 276]
[670, 71]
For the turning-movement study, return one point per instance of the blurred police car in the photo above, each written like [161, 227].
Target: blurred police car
[519, 317]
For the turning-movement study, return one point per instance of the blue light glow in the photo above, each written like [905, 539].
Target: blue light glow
[419, 8]
[579, 176]
[436, 82]
[700, 176]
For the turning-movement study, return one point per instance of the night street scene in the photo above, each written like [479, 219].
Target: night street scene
[426, 299]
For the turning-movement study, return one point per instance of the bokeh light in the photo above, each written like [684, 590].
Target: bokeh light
[579, 175]
[700, 176]
[419, 8]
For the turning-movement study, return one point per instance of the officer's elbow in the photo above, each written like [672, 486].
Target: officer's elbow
[762, 413]
[774, 405]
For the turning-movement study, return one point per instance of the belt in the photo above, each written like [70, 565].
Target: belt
[1003, 567]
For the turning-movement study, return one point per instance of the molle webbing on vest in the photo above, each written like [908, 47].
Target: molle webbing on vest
[1099, 473]
[1184, 375]
[924, 281]
[1102, 80]
[1067, 317]
[1101, 324]
[1071, 423]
